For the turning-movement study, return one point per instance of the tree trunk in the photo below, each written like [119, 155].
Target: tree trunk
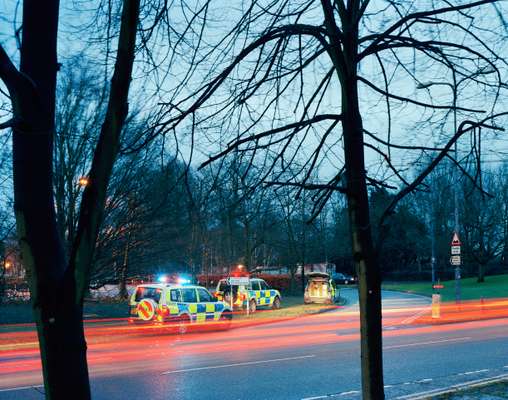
[292, 281]
[122, 284]
[58, 317]
[481, 273]
[369, 285]
[63, 351]
[57, 286]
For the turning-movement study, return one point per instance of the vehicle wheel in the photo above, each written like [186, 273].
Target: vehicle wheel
[276, 303]
[252, 306]
[183, 324]
[225, 320]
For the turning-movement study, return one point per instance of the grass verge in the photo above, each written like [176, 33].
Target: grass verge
[292, 306]
[495, 286]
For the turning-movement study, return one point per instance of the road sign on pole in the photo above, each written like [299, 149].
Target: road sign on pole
[455, 239]
[455, 250]
[456, 261]
[238, 280]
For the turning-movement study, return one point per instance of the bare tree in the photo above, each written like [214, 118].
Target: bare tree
[79, 111]
[484, 227]
[364, 60]
[58, 284]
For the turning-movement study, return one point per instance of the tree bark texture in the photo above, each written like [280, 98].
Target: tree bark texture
[58, 285]
[344, 54]
[57, 316]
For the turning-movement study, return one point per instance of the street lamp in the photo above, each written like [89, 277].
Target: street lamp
[455, 192]
[454, 92]
[83, 181]
[454, 87]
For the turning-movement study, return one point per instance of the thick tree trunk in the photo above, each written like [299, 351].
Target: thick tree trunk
[58, 317]
[57, 286]
[369, 285]
[63, 351]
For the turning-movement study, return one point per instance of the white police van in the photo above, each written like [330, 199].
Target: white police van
[256, 294]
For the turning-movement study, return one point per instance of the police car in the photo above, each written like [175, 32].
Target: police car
[256, 294]
[178, 304]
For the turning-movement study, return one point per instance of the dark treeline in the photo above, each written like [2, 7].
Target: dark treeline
[163, 215]
[219, 223]
[306, 120]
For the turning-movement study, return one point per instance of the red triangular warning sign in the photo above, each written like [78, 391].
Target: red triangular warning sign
[455, 239]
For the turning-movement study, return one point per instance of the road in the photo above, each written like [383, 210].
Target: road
[314, 357]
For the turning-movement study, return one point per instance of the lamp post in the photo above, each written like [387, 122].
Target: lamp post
[83, 181]
[453, 86]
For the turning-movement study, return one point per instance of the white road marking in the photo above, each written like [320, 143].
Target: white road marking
[453, 388]
[414, 317]
[237, 364]
[21, 388]
[329, 396]
[424, 380]
[474, 372]
[396, 346]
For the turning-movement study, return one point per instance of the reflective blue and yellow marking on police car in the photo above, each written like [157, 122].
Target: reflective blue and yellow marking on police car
[263, 297]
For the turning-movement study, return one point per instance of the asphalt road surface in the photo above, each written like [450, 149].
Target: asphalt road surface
[313, 357]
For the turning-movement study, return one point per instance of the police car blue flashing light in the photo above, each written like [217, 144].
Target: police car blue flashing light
[162, 279]
[183, 281]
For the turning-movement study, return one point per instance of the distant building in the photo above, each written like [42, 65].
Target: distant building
[284, 270]
[13, 268]
[271, 270]
[327, 268]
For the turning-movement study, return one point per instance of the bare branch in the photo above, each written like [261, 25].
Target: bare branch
[296, 126]
[461, 130]
[308, 186]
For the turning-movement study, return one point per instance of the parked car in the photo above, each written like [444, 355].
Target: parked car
[343, 279]
[256, 294]
[320, 289]
[180, 305]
